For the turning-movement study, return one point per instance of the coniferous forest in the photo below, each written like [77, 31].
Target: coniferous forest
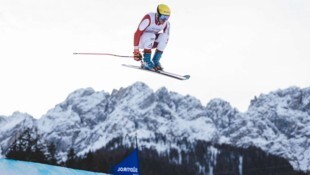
[197, 160]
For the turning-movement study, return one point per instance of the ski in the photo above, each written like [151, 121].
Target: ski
[161, 72]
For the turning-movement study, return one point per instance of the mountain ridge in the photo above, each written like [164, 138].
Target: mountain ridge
[277, 122]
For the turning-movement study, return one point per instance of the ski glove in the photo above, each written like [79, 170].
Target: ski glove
[137, 55]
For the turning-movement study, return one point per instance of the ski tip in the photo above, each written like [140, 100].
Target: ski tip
[186, 77]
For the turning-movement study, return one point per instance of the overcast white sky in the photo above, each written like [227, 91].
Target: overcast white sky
[233, 50]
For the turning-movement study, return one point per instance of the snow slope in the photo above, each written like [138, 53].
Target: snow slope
[13, 167]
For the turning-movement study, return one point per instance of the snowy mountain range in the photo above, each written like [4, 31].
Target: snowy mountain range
[278, 122]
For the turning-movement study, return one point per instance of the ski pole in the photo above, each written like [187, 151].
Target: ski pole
[109, 54]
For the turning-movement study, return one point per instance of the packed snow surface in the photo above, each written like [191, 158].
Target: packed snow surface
[13, 167]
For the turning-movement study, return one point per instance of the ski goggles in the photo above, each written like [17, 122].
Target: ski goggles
[164, 17]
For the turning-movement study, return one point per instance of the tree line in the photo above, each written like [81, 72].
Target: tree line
[200, 158]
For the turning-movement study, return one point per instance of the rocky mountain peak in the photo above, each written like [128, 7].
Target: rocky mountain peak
[12, 127]
[278, 122]
[293, 98]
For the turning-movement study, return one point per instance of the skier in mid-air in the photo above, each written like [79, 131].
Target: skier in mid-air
[152, 32]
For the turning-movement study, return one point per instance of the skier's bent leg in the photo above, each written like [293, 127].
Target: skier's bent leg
[162, 41]
[160, 44]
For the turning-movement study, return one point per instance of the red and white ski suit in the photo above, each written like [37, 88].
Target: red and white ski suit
[150, 34]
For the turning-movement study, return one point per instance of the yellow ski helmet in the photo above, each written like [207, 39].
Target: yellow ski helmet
[163, 9]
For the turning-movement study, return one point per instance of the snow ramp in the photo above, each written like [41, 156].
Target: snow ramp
[13, 167]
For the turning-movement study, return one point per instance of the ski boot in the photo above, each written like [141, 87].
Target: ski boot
[156, 58]
[147, 63]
